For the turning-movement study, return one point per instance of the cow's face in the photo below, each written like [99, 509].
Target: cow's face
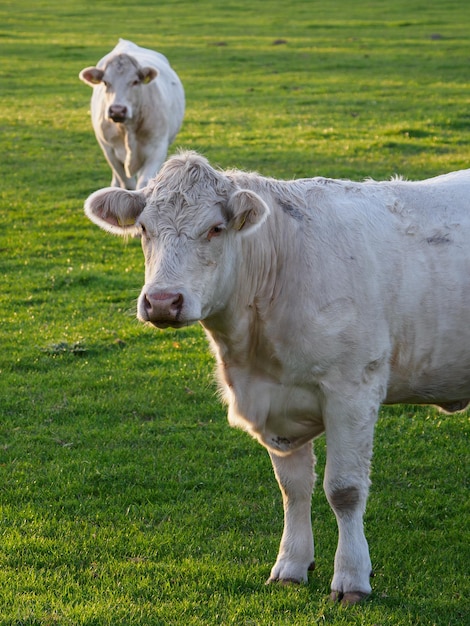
[121, 81]
[191, 219]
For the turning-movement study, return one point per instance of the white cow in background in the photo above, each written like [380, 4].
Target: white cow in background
[137, 108]
[322, 299]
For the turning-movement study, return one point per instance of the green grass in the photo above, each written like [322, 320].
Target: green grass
[125, 499]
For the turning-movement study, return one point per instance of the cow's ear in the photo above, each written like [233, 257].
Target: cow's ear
[248, 211]
[147, 74]
[91, 76]
[115, 210]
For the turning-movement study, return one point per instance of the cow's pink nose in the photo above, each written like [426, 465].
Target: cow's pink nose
[163, 306]
[117, 112]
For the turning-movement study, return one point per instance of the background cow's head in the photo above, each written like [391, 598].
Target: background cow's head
[121, 79]
[191, 219]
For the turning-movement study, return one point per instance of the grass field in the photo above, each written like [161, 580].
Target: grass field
[125, 498]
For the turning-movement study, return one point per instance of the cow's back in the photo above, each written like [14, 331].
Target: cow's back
[144, 56]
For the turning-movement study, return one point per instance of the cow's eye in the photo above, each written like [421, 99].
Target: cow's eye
[215, 231]
[135, 83]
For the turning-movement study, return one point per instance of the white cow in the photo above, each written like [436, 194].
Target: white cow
[137, 108]
[322, 299]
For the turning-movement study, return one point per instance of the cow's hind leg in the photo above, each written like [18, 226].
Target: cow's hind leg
[349, 450]
[296, 477]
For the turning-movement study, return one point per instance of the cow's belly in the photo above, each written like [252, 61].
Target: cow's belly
[430, 328]
[424, 383]
[281, 417]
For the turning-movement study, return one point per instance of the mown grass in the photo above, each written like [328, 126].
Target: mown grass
[125, 498]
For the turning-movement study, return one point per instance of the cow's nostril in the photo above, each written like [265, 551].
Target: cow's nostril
[117, 112]
[162, 306]
[178, 303]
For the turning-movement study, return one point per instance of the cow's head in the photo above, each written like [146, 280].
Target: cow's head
[192, 219]
[121, 79]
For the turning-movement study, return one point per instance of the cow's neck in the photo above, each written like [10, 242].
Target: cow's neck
[240, 332]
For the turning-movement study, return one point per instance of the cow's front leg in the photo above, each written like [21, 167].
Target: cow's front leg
[349, 438]
[153, 159]
[120, 178]
[296, 477]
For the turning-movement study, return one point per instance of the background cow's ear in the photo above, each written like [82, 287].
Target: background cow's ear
[91, 76]
[115, 210]
[248, 210]
[148, 74]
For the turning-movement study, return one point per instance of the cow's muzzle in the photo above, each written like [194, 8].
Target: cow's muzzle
[161, 308]
[117, 113]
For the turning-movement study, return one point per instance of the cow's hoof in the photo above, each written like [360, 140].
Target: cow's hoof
[348, 598]
[284, 581]
[289, 580]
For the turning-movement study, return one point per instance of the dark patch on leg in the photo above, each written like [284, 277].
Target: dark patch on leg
[344, 499]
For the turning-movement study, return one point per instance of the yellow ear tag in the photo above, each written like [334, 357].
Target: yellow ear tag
[124, 222]
[243, 222]
[146, 80]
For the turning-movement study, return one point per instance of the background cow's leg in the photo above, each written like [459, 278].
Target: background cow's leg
[154, 158]
[349, 439]
[122, 181]
[120, 178]
[296, 477]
